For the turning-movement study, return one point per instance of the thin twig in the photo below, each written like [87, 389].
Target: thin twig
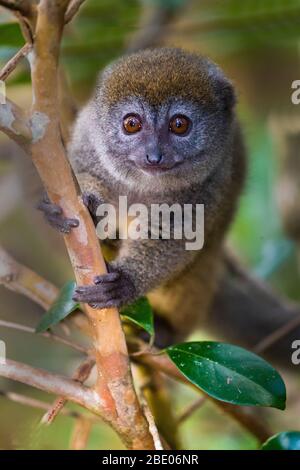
[81, 374]
[72, 10]
[52, 383]
[155, 389]
[152, 426]
[277, 335]
[190, 409]
[81, 433]
[22, 6]
[54, 337]
[23, 280]
[14, 61]
[153, 26]
[43, 405]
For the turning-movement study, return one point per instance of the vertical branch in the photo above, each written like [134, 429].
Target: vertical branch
[114, 382]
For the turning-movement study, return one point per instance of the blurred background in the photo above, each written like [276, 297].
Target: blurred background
[257, 43]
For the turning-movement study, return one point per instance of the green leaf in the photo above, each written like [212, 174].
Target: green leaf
[229, 373]
[140, 313]
[60, 309]
[289, 440]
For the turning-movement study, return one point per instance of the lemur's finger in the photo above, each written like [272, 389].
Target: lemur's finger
[109, 277]
[94, 290]
[54, 216]
[48, 208]
[107, 304]
[68, 224]
[90, 294]
[61, 223]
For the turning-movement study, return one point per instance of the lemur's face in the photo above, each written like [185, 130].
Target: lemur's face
[153, 140]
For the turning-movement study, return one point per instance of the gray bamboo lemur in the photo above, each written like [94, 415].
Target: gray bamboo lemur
[160, 128]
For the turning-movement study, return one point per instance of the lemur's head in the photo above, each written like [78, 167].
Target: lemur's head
[164, 116]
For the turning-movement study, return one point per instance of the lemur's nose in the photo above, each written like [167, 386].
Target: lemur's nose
[154, 158]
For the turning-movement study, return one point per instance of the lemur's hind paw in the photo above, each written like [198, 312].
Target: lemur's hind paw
[54, 216]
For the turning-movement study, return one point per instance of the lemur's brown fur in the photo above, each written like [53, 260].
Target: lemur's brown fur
[175, 75]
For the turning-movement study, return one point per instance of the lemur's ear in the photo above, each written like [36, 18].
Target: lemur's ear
[223, 87]
[227, 95]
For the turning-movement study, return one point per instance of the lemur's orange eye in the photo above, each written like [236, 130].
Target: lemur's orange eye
[132, 124]
[179, 124]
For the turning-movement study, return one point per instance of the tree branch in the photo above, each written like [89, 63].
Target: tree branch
[52, 383]
[190, 409]
[13, 62]
[277, 335]
[81, 374]
[153, 26]
[152, 425]
[58, 339]
[20, 279]
[81, 433]
[23, 6]
[43, 405]
[72, 10]
[156, 393]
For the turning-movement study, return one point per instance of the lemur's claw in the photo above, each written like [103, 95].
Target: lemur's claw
[110, 290]
[54, 216]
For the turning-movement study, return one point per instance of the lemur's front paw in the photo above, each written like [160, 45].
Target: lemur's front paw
[54, 216]
[113, 289]
[91, 201]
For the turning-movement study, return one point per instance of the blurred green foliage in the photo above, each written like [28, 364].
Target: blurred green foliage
[171, 4]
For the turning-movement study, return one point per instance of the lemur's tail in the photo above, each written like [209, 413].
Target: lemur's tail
[246, 312]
